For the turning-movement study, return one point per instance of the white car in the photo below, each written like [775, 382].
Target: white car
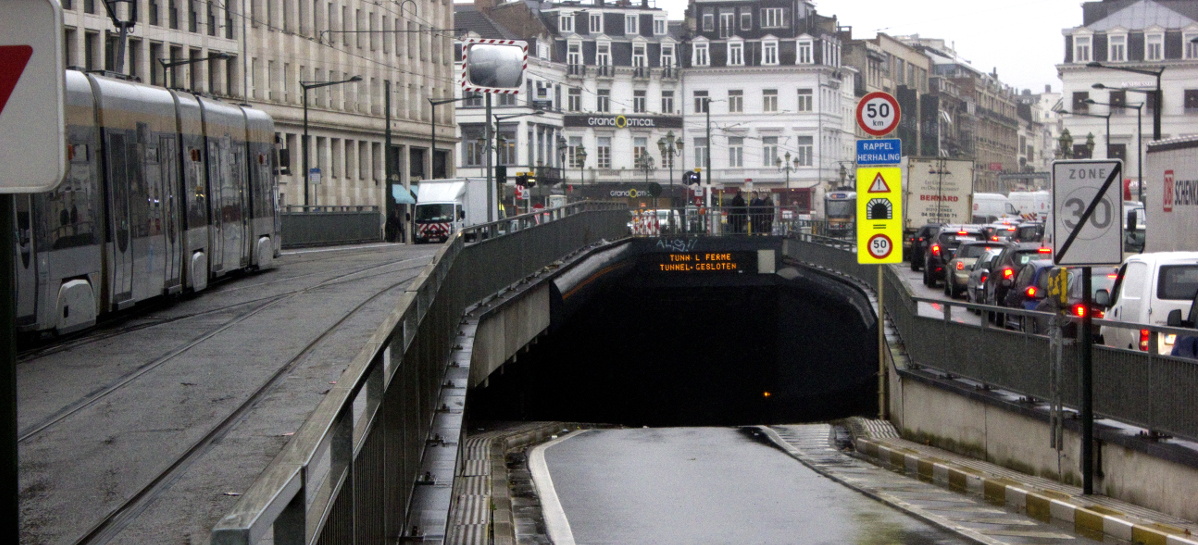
[1147, 287]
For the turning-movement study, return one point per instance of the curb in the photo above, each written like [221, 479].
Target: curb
[1040, 505]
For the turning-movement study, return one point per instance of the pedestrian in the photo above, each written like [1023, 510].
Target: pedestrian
[391, 228]
[736, 215]
[757, 213]
[767, 214]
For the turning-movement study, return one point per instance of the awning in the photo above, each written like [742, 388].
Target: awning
[401, 195]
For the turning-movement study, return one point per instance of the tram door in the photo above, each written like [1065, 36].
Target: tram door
[217, 160]
[120, 287]
[145, 200]
[168, 157]
[239, 237]
[26, 262]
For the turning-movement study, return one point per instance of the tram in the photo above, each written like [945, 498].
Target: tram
[165, 190]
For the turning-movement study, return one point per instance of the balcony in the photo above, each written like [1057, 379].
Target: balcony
[670, 72]
[640, 72]
[576, 70]
[547, 176]
[605, 71]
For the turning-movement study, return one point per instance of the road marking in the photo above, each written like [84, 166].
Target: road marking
[556, 523]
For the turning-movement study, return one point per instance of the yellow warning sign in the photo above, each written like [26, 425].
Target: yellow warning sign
[879, 215]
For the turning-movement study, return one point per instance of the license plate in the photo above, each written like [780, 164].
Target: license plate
[1170, 339]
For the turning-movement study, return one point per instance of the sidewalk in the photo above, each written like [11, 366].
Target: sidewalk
[1040, 499]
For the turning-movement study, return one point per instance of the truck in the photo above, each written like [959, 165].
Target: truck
[446, 206]
[935, 191]
[1171, 173]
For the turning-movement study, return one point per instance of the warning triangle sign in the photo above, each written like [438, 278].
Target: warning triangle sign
[879, 185]
[12, 63]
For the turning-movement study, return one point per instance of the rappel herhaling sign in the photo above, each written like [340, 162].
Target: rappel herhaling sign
[624, 121]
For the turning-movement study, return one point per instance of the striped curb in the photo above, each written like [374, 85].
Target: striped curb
[1044, 506]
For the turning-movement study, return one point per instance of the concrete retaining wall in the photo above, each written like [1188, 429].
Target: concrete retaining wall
[507, 329]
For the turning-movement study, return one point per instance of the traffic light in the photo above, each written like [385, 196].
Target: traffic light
[691, 178]
[531, 180]
[501, 174]
[521, 179]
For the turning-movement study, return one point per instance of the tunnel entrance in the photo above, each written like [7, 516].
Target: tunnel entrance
[649, 350]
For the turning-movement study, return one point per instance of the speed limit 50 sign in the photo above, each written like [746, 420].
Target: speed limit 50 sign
[878, 113]
[1087, 205]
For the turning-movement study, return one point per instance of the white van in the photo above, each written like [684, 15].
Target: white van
[1032, 205]
[991, 207]
[1147, 288]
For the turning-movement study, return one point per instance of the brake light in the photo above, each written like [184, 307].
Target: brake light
[935, 249]
[1144, 335]
[995, 239]
[984, 278]
[1079, 311]
[1113, 276]
[1099, 314]
[1031, 291]
[1045, 250]
[1008, 272]
[960, 266]
[962, 233]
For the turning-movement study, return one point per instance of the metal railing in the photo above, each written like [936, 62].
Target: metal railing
[304, 226]
[1152, 391]
[375, 461]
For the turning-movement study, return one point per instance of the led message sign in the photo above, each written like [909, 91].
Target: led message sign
[702, 262]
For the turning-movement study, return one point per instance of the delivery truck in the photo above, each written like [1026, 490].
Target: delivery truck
[935, 191]
[1171, 195]
[445, 207]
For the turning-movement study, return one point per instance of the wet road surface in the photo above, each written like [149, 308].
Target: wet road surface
[705, 485]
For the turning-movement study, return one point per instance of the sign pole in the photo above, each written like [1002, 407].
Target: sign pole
[1087, 385]
[881, 350]
[8, 377]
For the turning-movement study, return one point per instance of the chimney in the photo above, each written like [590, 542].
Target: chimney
[1047, 87]
[645, 4]
[484, 5]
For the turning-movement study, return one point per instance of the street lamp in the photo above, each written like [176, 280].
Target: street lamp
[432, 122]
[785, 166]
[1108, 127]
[170, 65]
[670, 146]
[123, 14]
[645, 163]
[1156, 93]
[580, 156]
[306, 85]
[1139, 142]
[562, 147]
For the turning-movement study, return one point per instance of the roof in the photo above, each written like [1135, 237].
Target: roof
[467, 18]
[1141, 15]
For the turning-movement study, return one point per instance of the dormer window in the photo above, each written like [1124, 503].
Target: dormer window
[565, 22]
[1191, 48]
[1081, 48]
[574, 54]
[659, 26]
[1117, 48]
[632, 24]
[708, 22]
[769, 52]
[772, 18]
[603, 54]
[701, 58]
[746, 21]
[804, 55]
[667, 54]
[1154, 47]
[638, 55]
[736, 54]
[596, 23]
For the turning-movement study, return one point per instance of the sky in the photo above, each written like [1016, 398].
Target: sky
[1020, 38]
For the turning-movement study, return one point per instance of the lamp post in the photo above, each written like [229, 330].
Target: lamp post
[1156, 93]
[580, 156]
[1139, 142]
[307, 85]
[1108, 127]
[492, 133]
[432, 122]
[1156, 134]
[170, 65]
[123, 14]
[670, 146]
[787, 165]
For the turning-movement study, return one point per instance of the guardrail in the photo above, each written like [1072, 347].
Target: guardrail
[352, 471]
[1148, 390]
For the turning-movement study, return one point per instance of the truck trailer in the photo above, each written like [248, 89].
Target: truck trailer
[1171, 195]
[935, 191]
[446, 206]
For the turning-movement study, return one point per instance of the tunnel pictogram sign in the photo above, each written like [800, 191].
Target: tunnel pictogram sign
[879, 223]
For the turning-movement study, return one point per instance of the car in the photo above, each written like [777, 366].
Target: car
[1029, 231]
[1148, 288]
[1030, 287]
[1002, 273]
[942, 248]
[918, 242]
[1101, 278]
[1185, 346]
[974, 290]
[998, 232]
[956, 279]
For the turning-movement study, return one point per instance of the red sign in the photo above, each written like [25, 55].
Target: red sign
[12, 63]
[995, 166]
[878, 113]
[1168, 191]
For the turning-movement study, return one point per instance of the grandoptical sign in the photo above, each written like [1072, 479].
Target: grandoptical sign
[625, 121]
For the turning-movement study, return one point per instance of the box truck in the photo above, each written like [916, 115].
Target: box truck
[444, 207]
[935, 191]
[1171, 195]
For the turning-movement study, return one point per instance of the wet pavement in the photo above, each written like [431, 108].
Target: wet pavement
[705, 485]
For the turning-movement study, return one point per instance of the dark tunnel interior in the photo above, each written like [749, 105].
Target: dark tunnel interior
[654, 352]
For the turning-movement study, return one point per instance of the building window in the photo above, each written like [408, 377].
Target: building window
[736, 54]
[572, 152]
[1115, 151]
[1079, 102]
[603, 54]
[667, 102]
[1117, 48]
[1154, 47]
[1191, 48]
[638, 102]
[659, 27]
[769, 151]
[603, 150]
[574, 54]
[1081, 49]
[640, 148]
[746, 21]
[667, 55]
[565, 22]
[727, 24]
[772, 18]
[632, 24]
[507, 99]
[769, 52]
[574, 99]
[701, 102]
[804, 55]
[474, 99]
[736, 151]
[603, 100]
[769, 100]
[596, 23]
[701, 152]
[1191, 101]
[806, 150]
[805, 100]
[708, 22]
[701, 58]
[638, 55]
[736, 101]
[473, 144]
[1117, 101]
